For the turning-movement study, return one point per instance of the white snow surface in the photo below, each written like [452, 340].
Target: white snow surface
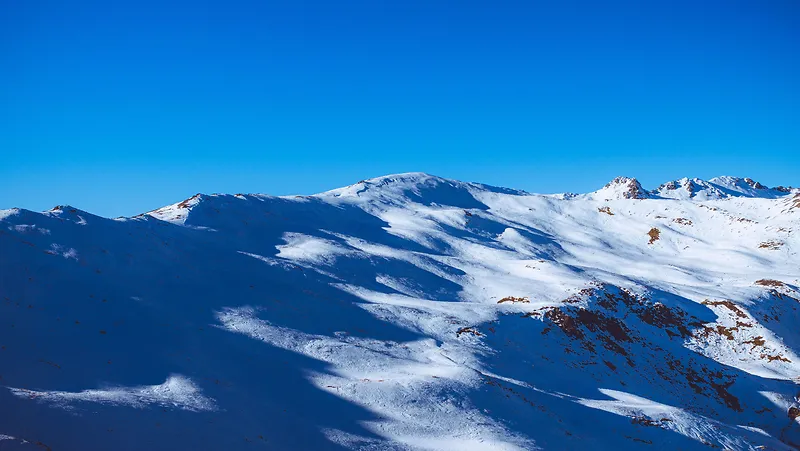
[176, 392]
[409, 312]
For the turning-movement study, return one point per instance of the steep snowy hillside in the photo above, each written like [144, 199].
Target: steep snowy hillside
[408, 312]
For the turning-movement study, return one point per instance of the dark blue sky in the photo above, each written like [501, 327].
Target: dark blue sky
[118, 107]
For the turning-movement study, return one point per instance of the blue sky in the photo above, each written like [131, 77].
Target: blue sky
[120, 107]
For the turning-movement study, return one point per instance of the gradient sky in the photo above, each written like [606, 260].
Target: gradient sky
[118, 107]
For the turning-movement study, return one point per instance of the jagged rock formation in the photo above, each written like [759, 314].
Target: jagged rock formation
[622, 188]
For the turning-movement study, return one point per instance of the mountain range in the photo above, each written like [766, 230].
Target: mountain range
[408, 312]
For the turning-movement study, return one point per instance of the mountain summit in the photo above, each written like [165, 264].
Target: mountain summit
[408, 312]
[622, 188]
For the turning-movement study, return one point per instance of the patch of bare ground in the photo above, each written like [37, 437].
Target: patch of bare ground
[682, 221]
[185, 203]
[772, 245]
[756, 342]
[654, 235]
[644, 421]
[795, 202]
[565, 322]
[726, 332]
[582, 294]
[606, 210]
[663, 317]
[769, 283]
[607, 330]
[716, 380]
[468, 330]
[604, 322]
[595, 321]
[514, 300]
[772, 358]
[729, 305]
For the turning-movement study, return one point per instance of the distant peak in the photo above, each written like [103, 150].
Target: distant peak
[718, 188]
[405, 178]
[622, 188]
[754, 184]
[68, 209]
[625, 181]
[687, 188]
[742, 181]
[416, 184]
[178, 213]
[191, 202]
[387, 183]
[747, 187]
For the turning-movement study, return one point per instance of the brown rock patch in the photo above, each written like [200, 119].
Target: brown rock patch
[654, 235]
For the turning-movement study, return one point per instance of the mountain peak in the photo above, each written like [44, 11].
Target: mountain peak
[178, 212]
[737, 181]
[687, 188]
[754, 184]
[718, 188]
[622, 188]
[388, 183]
[403, 178]
[745, 186]
[68, 210]
[416, 187]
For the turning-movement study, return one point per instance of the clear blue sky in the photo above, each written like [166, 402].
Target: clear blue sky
[118, 107]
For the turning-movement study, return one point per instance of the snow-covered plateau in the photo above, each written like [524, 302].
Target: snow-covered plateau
[408, 312]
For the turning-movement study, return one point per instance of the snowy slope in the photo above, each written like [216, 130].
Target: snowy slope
[718, 188]
[408, 312]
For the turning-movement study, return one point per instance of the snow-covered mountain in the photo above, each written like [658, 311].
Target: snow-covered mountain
[408, 312]
[718, 188]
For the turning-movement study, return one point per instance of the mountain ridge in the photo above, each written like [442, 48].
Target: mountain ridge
[398, 187]
[405, 312]
[716, 188]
